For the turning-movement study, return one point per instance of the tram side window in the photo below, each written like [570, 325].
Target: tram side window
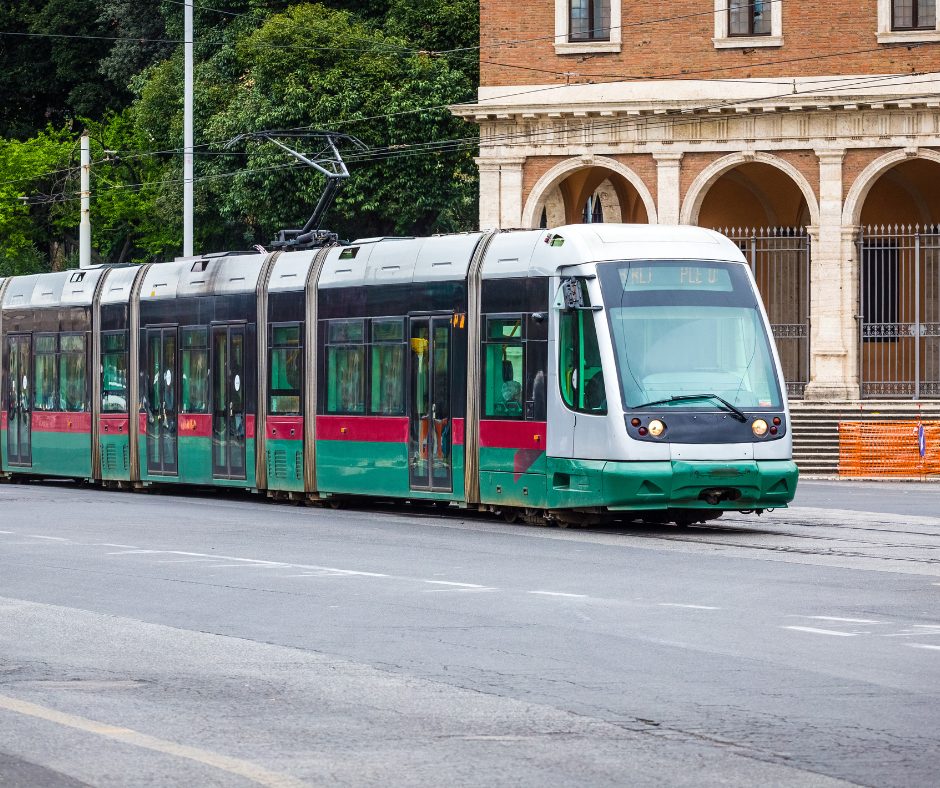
[504, 368]
[345, 366]
[388, 367]
[285, 370]
[73, 373]
[579, 373]
[114, 372]
[194, 391]
[45, 395]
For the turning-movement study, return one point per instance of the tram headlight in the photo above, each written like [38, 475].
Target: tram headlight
[656, 428]
[759, 427]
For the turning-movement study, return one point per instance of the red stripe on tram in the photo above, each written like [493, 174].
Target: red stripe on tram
[195, 425]
[378, 429]
[3, 420]
[512, 434]
[285, 427]
[44, 421]
[113, 425]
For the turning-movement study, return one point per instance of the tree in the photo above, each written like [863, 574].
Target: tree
[35, 173]
[314, 67]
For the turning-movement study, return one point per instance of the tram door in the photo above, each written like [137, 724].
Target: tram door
[161, 402]
[430, 429]
[19, 394]
[228, 402]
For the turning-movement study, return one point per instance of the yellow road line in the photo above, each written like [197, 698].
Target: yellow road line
[246, 769]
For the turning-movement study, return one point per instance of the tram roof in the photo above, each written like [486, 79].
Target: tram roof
[205, 275]
[61, 288]
[600, 242]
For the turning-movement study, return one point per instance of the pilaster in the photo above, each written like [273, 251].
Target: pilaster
[832, 302]
[668, 167]
[500, 192]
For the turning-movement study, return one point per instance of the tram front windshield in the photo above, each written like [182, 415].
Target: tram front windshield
[685, 328]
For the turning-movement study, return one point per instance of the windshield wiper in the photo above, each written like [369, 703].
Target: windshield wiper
[736, 412]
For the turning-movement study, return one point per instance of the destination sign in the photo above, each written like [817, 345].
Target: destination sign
[637, 278]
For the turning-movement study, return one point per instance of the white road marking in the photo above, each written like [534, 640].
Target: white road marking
[49, 538]
[559, 593]
[923, 645]
[109, 544]
[448, 583]
[836, 618]
[690, 607]
[13, 532]
[481, 590]
[814, 631]
[237, 766]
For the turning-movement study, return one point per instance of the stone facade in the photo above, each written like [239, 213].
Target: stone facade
[830, 123]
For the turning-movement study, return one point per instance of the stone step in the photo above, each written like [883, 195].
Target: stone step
[815, 427]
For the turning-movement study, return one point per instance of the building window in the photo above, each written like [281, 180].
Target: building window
[748, 23]
[587, 26]
[590, 20]
[749, 18]
[913, 14]
[906, 21]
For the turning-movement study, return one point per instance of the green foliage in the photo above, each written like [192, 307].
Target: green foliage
[312, 67]
[366, 68]
[39, 167]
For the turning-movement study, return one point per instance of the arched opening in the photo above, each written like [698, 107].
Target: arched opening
[899, 282]
[754, 195]
[762, 209]
[587, 194]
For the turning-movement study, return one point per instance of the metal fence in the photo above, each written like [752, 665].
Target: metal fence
[780, 258]
[899, 311]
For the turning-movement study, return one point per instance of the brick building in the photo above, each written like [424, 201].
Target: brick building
[808, 131]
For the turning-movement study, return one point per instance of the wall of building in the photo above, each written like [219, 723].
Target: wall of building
[838, 36]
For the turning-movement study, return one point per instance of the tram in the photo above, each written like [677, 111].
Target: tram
[577, 374]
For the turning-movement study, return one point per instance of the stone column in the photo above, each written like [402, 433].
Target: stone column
[667, 187]
[832, 292]
[500, 192]
[489, 193]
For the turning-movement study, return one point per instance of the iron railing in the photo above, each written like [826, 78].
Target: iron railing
[780, 260]
[899, 311]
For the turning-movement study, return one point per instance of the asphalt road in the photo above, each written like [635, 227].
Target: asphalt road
[171, 640]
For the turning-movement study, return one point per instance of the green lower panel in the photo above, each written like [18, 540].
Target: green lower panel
[363, 468]
[515, 460]
[638, 486]
[511, 489]
[115, 457]
[285, 464]
[194, 460]
[62, 454]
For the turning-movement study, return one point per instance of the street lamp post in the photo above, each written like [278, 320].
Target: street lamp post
[188, 130]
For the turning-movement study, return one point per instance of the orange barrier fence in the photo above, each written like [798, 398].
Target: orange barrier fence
[889, 448]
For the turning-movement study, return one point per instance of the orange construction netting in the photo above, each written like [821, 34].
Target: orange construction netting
[889, 448]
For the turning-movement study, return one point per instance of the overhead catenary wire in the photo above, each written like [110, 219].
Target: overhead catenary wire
[847, 82]
[438, 147]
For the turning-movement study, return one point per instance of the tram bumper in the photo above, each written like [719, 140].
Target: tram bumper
[679, 484]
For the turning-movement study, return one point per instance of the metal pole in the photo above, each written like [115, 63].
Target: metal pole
[188, 130]
[84, 227]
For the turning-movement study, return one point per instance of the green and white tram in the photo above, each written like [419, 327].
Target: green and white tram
[578, 374]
